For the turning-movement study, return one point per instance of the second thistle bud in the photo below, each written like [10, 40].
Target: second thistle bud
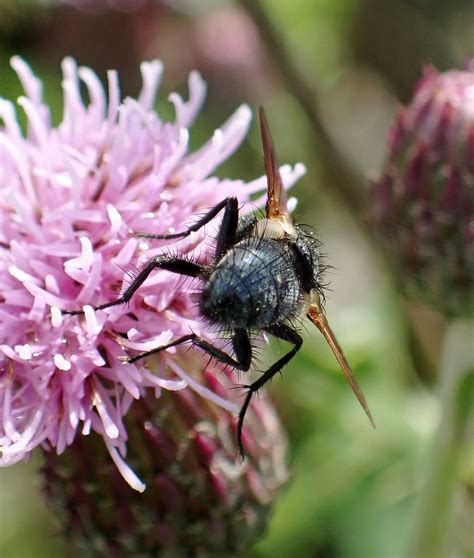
[423, 203]
[201, 499]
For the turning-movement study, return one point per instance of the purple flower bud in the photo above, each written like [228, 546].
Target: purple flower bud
[199, 497]
[422, 205]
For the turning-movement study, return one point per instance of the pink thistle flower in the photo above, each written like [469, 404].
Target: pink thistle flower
[71, 198]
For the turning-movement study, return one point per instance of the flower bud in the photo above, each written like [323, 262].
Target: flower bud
[422, 205]
[200, 498]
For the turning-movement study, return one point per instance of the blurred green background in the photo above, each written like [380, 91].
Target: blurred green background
[353, 491]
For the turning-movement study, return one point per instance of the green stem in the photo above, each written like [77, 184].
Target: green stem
[433, 514]
[338, 172]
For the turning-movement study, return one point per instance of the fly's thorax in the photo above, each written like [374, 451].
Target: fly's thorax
[254, 285]
[277, 228]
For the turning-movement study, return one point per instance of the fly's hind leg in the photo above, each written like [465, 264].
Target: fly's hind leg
[286, 333]
[243, 358]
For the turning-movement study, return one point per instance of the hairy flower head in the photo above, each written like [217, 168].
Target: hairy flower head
[71, 197]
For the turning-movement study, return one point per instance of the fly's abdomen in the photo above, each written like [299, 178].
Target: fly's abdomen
[253, 286]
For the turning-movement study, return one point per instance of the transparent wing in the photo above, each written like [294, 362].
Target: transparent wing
[276, 196]
[316, 315]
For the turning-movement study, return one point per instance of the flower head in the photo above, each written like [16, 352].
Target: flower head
[423, 203]
[71, 197]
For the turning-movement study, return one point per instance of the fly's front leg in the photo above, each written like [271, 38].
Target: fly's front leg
[228, 204]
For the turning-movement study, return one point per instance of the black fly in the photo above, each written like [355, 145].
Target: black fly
[264, 277]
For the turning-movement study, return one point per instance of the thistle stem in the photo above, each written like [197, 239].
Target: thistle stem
[433, 514]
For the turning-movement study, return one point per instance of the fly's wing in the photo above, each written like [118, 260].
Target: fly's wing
[276, 196]
[316, 315]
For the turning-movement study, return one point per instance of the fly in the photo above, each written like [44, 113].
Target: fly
[265, 276]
